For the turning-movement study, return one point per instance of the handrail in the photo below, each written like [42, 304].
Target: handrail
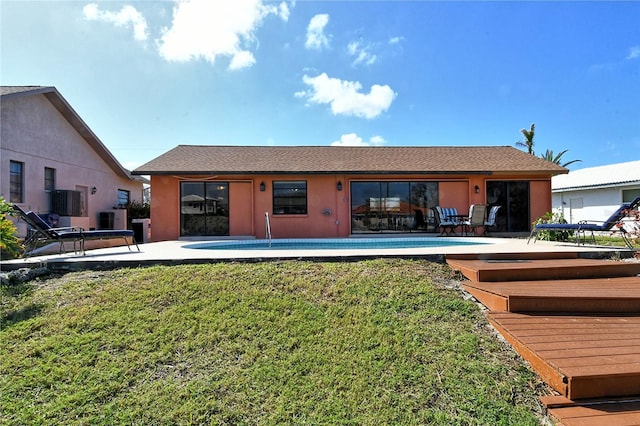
[267, 227]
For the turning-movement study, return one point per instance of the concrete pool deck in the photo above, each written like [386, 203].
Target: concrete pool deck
[174, 252]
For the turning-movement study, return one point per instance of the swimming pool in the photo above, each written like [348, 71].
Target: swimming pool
[338, 243]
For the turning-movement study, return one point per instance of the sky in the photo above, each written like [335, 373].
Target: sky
[147, 76]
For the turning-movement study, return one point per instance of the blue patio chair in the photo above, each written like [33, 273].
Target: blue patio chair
[446, 219]
[581, 228]
[492, 218]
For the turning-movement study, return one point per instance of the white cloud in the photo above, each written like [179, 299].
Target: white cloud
[351, 139]
[395, 40]
[127, 16]
[345, 97]
[634, 52]
[204, 29]
[361, 53]
[316, 38]
[242, 59]
[283, 11]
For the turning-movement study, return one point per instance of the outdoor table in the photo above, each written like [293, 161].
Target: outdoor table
[459, 218]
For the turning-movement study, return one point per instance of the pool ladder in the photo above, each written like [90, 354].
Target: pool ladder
[267, 224]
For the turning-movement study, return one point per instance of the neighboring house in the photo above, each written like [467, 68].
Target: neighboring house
[52, 163]
[594, 193]
[212, 191]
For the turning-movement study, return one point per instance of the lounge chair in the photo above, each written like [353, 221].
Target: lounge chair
[446, 219]
[477, 214]
[42, 232]
[492, 218]
[581, 228]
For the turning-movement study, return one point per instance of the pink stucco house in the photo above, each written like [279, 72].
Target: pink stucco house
[52, 163]
[316, 191]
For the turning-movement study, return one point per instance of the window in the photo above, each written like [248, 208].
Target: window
[290, 197]
[16, 179]
[123, 197]
[628, 195]
[49, 179]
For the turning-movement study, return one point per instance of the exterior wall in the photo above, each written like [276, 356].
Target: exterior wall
[589, 204]
[539, 197]
[322, 195]
[35, 133]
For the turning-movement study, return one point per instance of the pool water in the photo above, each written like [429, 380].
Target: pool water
[336, 244]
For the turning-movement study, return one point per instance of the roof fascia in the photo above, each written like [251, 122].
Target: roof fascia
[350, 172]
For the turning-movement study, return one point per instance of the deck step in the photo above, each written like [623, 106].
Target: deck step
[597, 295]
[579, 356]
[619, 411]
[542, 269]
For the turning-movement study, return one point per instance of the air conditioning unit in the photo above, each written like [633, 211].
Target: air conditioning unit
[65, 202]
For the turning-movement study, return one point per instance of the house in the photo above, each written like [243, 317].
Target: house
[313, 192]
[53, 164]
[594, 193]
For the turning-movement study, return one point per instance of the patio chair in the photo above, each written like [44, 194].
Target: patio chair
[477, 215]
[581, 228]
[492, 218]
[42, 233]
[445, 219]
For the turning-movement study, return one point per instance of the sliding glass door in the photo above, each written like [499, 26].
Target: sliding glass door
[395, 206]
[513, 196]
[204, 209]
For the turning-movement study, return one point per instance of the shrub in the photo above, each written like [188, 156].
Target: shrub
[549, 217]
[10, 245]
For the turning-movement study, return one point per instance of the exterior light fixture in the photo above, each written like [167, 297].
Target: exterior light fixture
[94, 190]
[477, 189]
[339, 186]
[263, 187]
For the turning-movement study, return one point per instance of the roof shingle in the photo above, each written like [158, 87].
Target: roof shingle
[201, 159]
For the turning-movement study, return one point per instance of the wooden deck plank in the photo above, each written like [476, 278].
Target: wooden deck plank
[588, 351]
[599, 343]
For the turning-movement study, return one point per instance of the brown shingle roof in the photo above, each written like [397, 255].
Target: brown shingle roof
[199, 159]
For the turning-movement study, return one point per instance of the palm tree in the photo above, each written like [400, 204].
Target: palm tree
[528, 138]
[556, 159]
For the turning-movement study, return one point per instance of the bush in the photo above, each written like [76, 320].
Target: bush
[549, 217]
[10, 245]
[137, 210]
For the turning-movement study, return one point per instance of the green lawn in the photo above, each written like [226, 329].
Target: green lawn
[374, 342]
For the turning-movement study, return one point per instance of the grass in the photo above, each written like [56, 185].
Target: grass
[372, 342]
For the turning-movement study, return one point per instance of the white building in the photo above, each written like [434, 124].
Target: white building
[594, 193]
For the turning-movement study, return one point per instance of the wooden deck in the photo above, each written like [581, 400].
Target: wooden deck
[576, 321]
[579, 356]
[610, 412]
[542, 269]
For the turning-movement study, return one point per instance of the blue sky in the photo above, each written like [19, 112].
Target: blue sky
[149, 75]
